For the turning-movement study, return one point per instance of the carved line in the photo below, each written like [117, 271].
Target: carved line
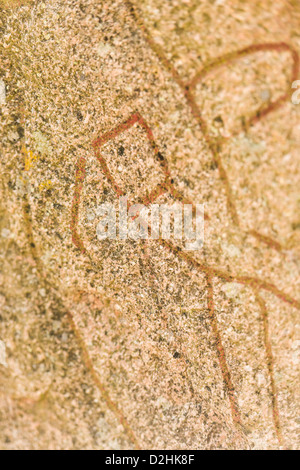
[187, 88]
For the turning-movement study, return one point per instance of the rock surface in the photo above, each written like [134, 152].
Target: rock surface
[122, 344]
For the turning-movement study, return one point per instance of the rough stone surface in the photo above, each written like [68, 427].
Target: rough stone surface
[128, 345]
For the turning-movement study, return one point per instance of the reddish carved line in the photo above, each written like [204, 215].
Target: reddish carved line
[215, 150]
[124, 126]
[79, 178]
[163, 188]
[227, 277]
[186, 87]
[236, 55]
[111, 405]
[266, 240]
[107, 173]
[154, 46]
[135, 118]
[269, 287]
[270, 363]
[221, 354]
[249, 50]
[180, 197]
[262, 113]
[209, 271]
[194, 108]
[159, 191]
[118, 130]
